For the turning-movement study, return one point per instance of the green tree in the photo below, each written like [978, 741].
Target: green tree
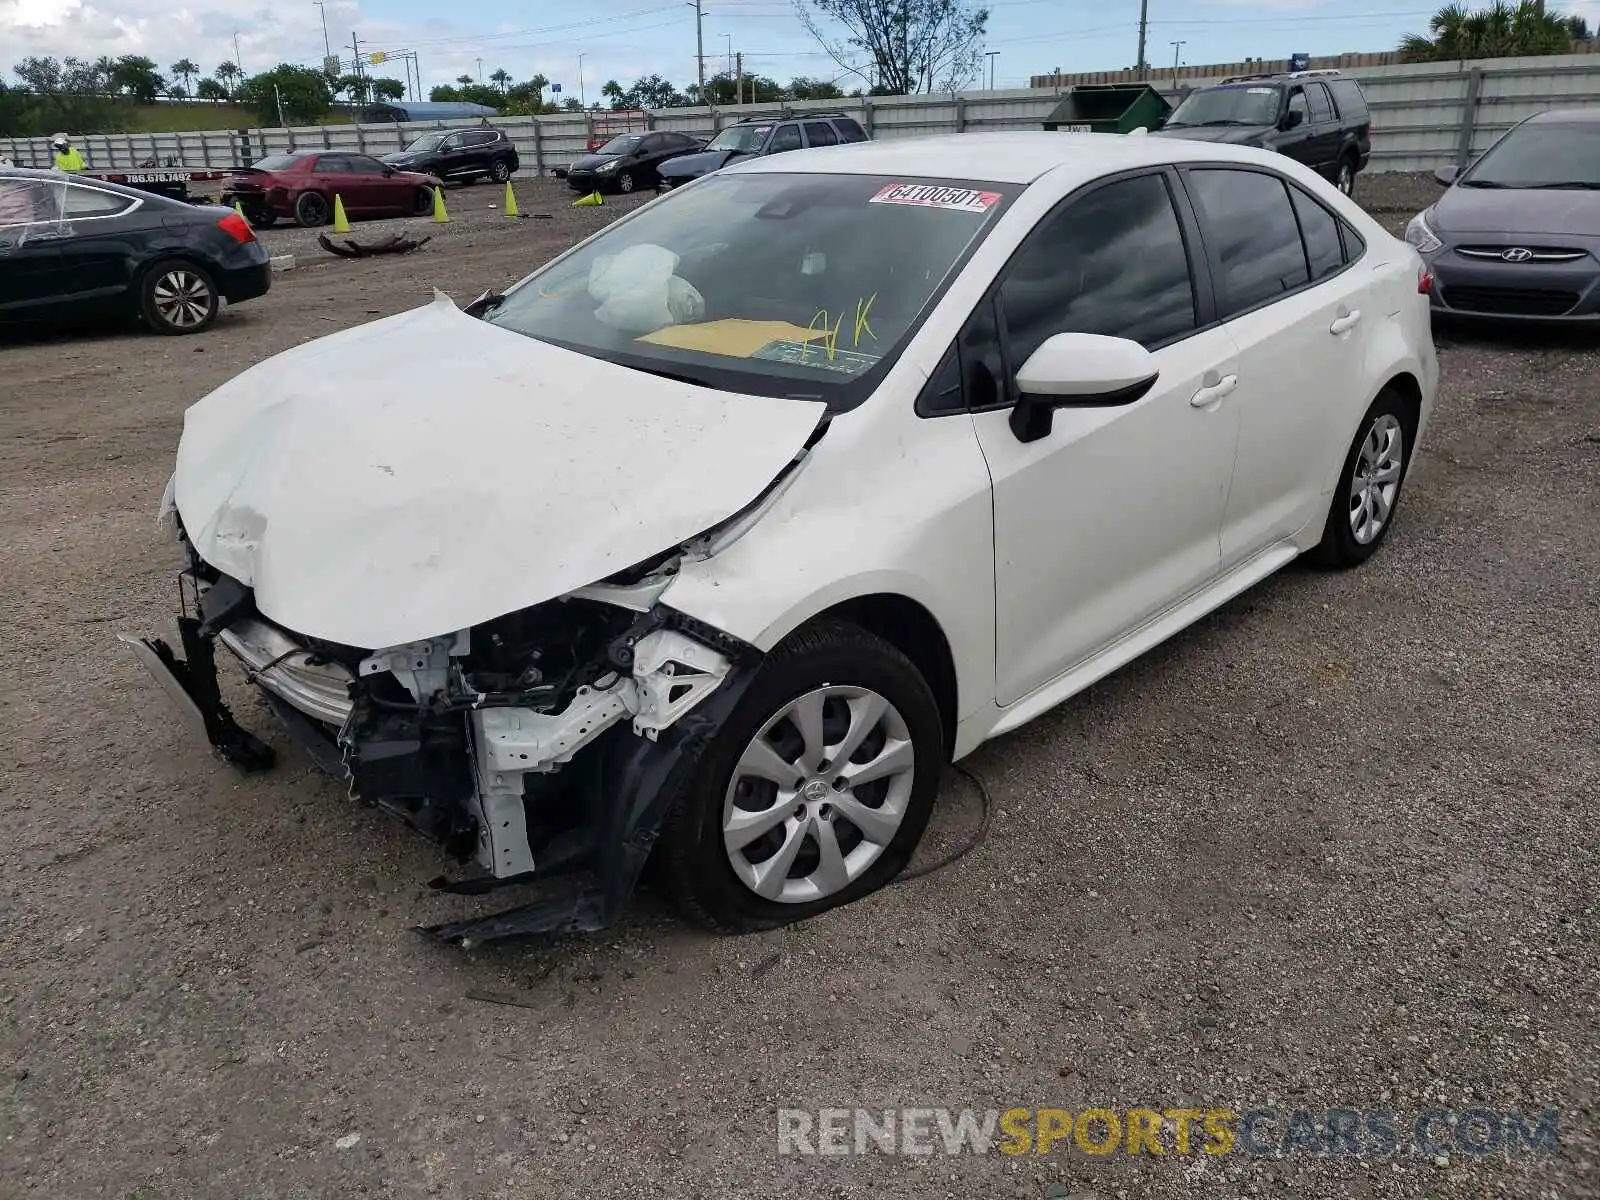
[210, 89]
[526, 99]
[302, 92]
[388, 89]
[1503, 30]
[465, 80]
[501, 78]
[229, 75]
[134, 75]
[801, 88]
[185, 69]
[62, 94]
[912, 45]
[442, 93]
[571, 104]
[357, 87]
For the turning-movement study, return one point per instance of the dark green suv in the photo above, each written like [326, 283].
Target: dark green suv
[1318, 118]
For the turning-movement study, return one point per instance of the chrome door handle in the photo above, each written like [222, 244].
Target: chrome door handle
[1345, 321]
[1211, 393]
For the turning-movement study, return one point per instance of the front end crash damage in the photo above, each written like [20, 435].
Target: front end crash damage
[543, 744]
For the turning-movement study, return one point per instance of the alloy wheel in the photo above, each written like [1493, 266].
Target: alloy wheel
[625, 182]
[1346, 181]
[182, 298]
[1376, 478]
[818, 794]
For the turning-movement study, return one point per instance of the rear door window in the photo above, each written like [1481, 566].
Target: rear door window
[820, 133]
[1321, 104]
[1347, 95]
[1251, 234]
[332, 164]
[1319, 229]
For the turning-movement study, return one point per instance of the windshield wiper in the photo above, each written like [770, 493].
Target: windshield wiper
[1227, 121]
[1572, 184]
[485, 304]
[1482, 183]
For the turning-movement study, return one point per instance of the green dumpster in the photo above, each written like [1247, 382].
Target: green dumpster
[1109, 108]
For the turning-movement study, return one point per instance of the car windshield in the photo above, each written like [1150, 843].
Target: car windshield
[1227, 106]
[624, 143]
[776, 284]
[1540, 156]
[277, 162]
[745, 139]
[428, 141]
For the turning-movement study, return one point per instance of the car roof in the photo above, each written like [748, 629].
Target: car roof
[1020, 157]
[34, 173]
[1566, 116]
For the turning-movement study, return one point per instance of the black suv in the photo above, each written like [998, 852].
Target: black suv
[1318, 118]
[755, 136]
[456, 154]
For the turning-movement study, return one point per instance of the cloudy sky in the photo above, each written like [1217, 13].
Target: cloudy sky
[624, 39]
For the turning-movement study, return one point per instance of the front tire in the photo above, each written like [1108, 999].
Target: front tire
[310, 210]
[177, 297]
[625, 182]
[499, 170]
[1368, 492]
[422, 203]
[816, 790]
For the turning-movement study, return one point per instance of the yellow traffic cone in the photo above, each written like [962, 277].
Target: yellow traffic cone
[592, 200]
[240, 210]
[440, 217]
[511, 201]
[341, 223]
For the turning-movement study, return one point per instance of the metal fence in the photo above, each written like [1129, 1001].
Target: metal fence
[1424, 115]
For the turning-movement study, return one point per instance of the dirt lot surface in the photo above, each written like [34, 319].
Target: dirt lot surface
[1336, 846]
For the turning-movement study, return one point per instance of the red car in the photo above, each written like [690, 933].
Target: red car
[301, 185]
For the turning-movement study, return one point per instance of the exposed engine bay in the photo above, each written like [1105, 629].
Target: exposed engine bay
[532, 744]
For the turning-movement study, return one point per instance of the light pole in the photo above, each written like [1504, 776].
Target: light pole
[327, 47]
[582, 99]
[699, 44]
[992, 55]
[1176, 48]
[729, 36]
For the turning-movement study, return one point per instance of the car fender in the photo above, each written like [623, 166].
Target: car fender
[884, 503]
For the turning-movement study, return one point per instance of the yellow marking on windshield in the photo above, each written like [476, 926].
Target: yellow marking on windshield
[830, 332]
[862, 311]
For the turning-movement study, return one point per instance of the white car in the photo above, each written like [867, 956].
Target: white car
[718, 536]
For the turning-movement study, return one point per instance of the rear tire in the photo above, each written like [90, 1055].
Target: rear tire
[1344, 176]
[1368, 491]
[177, 296]
[849, 681]
[500, 170]
[263, 220]
[311, 210]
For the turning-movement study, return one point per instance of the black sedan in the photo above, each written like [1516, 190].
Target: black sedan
[1517, 236]
[629, 161]
[74, 249]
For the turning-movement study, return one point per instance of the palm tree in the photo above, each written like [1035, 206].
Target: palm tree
[105, 70]
[1500, 31]
[185, 69]
[229, 74]
[501, 79]
[210, 89]
[465, 80]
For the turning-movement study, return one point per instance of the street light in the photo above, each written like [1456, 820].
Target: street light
[992, 55]
[729, 36]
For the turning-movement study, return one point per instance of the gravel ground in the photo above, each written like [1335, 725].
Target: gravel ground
[1335, 846]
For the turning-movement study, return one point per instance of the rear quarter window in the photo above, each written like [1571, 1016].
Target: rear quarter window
[1347, 96]
[849, 131]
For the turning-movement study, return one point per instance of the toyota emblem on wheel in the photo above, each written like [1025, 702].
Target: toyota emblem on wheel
[1517, 254]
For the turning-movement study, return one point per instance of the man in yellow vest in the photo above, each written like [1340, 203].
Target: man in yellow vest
[67, 157]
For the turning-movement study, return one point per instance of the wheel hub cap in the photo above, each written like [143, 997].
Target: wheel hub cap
[818, 794]
[1376, 478]
[182, 298]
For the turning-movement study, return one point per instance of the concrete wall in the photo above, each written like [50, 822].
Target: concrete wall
[1424, 115]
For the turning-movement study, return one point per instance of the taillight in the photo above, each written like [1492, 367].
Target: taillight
[237, 228]
[1424, 282]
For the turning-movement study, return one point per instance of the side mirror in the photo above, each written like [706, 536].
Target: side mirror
[1078, 370]
[388, 171]
[1293, 118]
[1447, 175]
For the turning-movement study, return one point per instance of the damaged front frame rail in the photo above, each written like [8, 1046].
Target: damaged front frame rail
[618, 790]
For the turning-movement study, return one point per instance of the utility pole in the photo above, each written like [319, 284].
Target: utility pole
[355, 53]
[582, 99]
[480, 70]
[729, 36]
[699, 44]
[991, 55]
[237, 57]
[738, 78]
[1144, 30]
[1177, 48]
[327, 48]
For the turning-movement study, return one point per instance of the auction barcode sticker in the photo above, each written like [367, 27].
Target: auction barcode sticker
[927, 195]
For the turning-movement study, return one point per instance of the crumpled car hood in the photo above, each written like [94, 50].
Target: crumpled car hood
[700, 163]
[426, 472]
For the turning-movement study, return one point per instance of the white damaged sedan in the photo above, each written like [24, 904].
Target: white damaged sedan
[736, 522]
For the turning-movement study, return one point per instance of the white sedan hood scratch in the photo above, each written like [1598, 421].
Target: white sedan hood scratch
[429, 471]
